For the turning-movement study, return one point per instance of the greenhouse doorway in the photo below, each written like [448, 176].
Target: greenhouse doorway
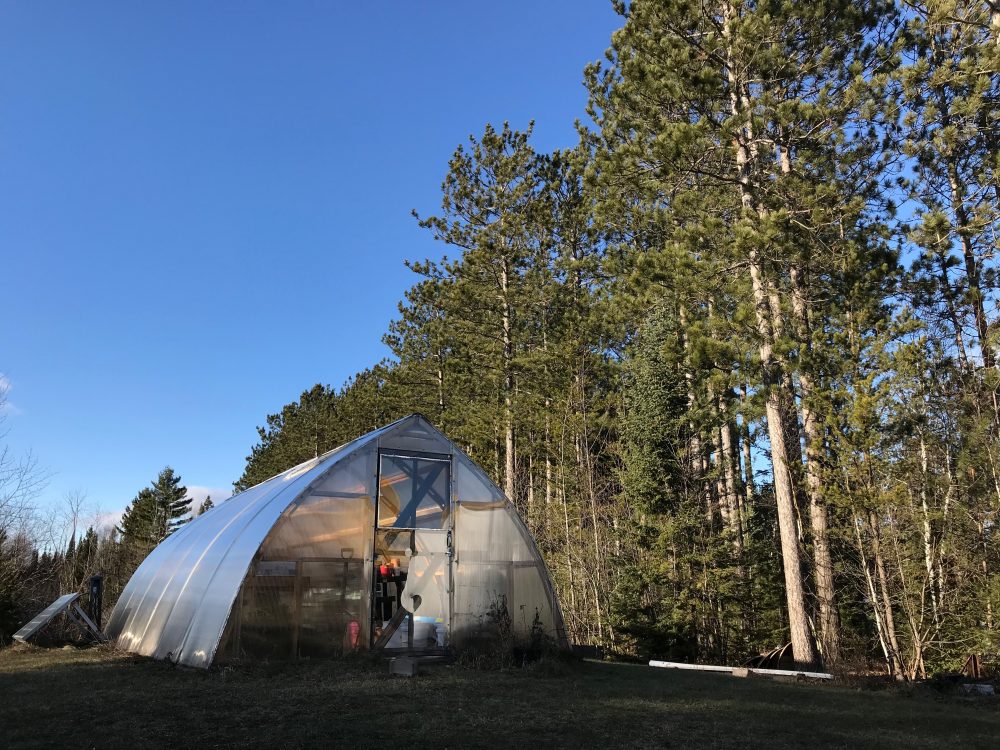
[412, 575]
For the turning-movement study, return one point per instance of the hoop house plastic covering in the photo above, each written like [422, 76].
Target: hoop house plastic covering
[288, 568]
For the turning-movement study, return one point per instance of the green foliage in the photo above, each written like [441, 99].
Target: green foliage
[611, 324]
[156, 511]
[10, 569]
[139, 524]
[655, 421]
[321, 420]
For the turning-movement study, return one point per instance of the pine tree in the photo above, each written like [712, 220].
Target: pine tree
[492, 211]
[300, 431]
[767, 102]
[684, 349]
[173, 503]
[139, 521]
[85, 562]
[156, 511]
[322, 419]
[950, 92]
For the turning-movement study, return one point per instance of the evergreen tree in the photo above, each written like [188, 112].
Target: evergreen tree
[156, 512]
[139, 524]
[493, 210]
[172, 501]
[784, 156]
[688, 352]
[321, 420]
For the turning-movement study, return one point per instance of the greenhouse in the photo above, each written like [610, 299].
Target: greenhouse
[396, 541]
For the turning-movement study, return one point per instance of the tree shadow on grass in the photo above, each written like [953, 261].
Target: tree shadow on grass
[107, 700]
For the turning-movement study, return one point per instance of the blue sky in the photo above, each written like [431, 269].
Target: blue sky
[205, 207]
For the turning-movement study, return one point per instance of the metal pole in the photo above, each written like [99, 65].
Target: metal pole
[97, 599]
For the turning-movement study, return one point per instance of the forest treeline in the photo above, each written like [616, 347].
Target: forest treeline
[44, 557]
[733, 355]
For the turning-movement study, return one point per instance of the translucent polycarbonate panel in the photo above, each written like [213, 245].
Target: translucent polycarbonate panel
[163, 578]
[473, 486]
[267, 613]
[530, 603]
[499, 574]
[177, 603]
[323, 527]
[354, 475]
[312, 608]
[426, 593]
[416, 577]
[414, 433]
[413, 493]
[497, 565]
[333, 519]
[284, 568]
[334, 617]
[307, 595]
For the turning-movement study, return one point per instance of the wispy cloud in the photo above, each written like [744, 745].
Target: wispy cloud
[6, 405]
[105, 521]
[198, 493]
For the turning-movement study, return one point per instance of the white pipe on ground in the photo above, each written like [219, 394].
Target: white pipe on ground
[750, 670]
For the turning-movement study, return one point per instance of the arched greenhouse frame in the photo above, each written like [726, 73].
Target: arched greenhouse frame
[396, 541]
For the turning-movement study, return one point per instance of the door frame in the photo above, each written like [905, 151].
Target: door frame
[448, 529]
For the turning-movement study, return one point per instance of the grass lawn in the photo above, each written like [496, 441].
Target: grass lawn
[99, 698]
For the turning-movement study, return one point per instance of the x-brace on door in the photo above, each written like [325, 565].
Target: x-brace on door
[412, 579]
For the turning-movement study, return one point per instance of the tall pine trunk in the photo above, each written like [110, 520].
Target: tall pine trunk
[728, 476]
[829, 615]
[508, 384]
[803, 644]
